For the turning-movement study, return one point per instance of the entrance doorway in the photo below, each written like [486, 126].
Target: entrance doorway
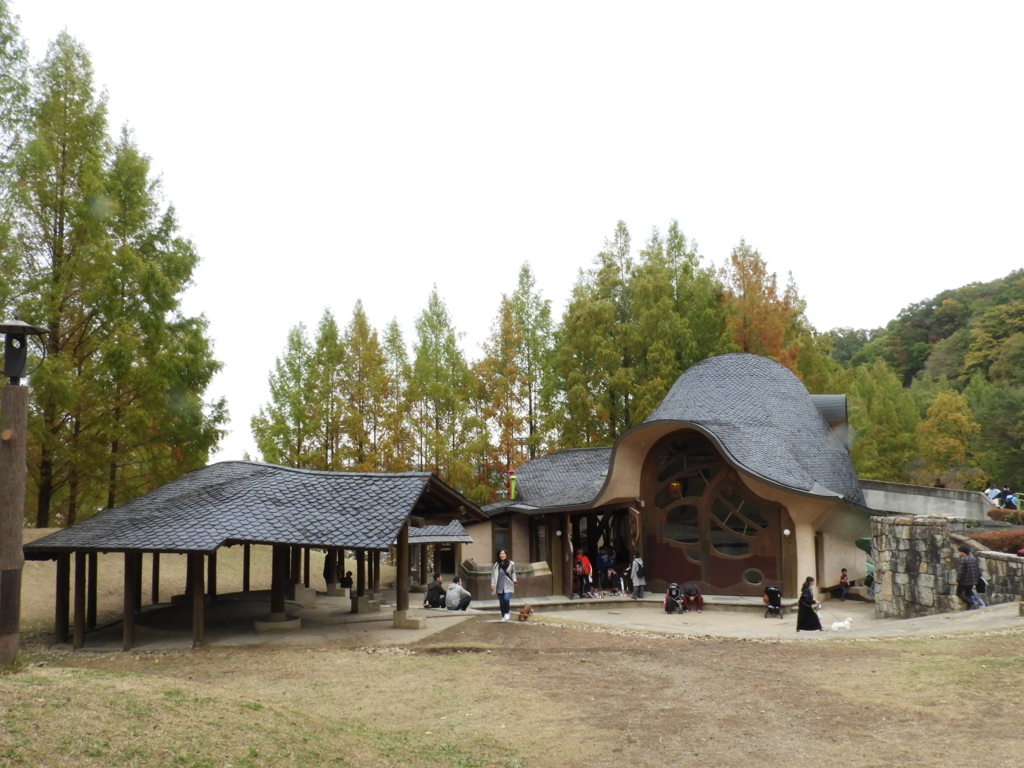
[702, 524]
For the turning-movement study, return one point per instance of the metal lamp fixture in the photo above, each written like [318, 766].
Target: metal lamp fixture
[16, 347]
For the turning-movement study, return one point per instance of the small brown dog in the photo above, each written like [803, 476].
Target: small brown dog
[524, 612]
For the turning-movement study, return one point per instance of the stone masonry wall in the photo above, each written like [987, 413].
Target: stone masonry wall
[915, 566]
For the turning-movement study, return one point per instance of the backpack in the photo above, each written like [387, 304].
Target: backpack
[640, 572]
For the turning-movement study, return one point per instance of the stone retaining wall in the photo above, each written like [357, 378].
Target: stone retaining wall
[915, 566]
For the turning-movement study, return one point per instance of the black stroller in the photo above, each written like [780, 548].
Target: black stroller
[772, 602]
[674, 599]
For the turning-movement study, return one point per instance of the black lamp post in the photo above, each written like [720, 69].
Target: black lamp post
[13, 448]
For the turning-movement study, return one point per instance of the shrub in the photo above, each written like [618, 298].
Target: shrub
[1001, 541]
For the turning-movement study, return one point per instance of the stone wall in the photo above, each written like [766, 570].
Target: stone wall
[915, 566]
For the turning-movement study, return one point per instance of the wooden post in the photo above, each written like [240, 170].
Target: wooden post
[360, 585]
[278, 575]
[154, 583]
[60, 624]
[211, 575]
[376, 572]
[295, 574]
[332, 566]
[402, 581]
[13, 447]
[423, 564]
[138, 581]
[90, 598]
[79, 636]
[245, 567]
[195, 565]
[305, 567]
[130, 583]
[566, 554]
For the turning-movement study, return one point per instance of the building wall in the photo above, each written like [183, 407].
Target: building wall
[905, 499]
[842, 527]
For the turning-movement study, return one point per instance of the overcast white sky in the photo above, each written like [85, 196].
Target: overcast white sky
[320, 153]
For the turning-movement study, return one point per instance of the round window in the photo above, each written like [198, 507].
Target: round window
[753, 576]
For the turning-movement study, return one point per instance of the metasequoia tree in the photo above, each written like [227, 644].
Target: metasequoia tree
[531, 315]
[761, 319]
[285, 429]
[883, 418]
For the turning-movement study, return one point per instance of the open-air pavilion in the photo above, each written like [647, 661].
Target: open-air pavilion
[246, 503]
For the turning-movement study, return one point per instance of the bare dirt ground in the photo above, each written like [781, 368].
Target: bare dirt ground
[545, 693]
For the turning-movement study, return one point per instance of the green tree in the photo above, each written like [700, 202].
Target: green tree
[365, 388]
[944, 439]
[884, 420]
[505, 408]
[285, 430]
[999, 445]
[531, 313]
[397, 443]
[14, 92]
[326, 410]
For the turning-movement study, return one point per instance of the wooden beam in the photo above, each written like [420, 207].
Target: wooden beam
[376, 571]
[305, 567]
[130, 585]
[60, 624]
[79, 620]
[195, 563]
[138, 581]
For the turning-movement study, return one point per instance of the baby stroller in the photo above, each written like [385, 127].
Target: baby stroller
[674, 599]
[772, 602]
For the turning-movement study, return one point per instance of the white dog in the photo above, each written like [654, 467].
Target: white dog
[837, 625]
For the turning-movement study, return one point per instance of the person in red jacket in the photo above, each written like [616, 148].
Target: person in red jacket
[584, 574]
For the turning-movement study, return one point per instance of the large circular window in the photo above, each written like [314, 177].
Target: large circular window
[753, 576]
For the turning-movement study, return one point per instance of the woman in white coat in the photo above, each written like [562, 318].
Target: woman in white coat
[503, 582]
[636, 575]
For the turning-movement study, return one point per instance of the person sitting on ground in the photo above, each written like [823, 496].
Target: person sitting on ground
[346, 582]
[844, 584]
[692, 598]
[584, 574]
[458, 597]
[968, 574]
[435, 593]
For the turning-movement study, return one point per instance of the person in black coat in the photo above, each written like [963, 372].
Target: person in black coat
[435, 593]
[807, 617]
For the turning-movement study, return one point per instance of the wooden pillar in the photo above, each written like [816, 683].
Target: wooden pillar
[154, 582]
[566, 555]
[592, 537]
[90, 598]
[295, 575]
[60, 624]
[305, 567]
[195, 566]
[278, 576]
[138, 581]
[424, 575]
[79, 620]
[211, 575]
[332, 566]
[246, 562]
[402, 581]
[376, 571]
[360, 572]
[130, 584]
[13, 469]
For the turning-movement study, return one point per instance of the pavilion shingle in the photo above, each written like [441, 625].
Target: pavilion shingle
[245, 501]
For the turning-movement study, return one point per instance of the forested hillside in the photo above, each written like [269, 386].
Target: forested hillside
[89, 251]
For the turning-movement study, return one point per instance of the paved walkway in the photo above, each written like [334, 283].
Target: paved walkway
[230, 621]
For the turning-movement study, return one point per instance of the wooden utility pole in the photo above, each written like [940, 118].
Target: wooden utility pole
[13, 447]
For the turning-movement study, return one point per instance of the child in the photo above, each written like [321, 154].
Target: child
[844, 582]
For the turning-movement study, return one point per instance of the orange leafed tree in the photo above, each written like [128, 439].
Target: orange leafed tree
[760, 319]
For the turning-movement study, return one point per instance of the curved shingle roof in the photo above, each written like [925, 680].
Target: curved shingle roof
[247, 501]
[567, 478]
[765, 420]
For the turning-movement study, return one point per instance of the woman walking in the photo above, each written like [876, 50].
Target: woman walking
[503, 582]
[807, 617]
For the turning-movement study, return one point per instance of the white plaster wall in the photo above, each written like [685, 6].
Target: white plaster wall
[842, 528]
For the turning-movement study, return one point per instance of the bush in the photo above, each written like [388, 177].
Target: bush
[1012, 516]
[1001, 541]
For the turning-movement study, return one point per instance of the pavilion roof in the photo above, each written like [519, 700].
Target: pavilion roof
[240, 501]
